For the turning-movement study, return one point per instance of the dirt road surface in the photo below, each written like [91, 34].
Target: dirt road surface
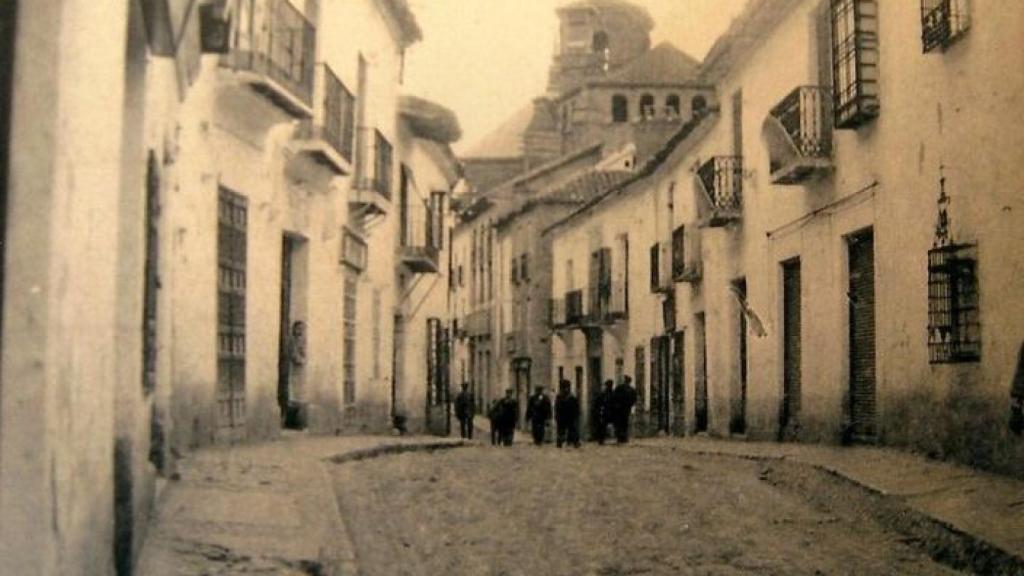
[611, 511]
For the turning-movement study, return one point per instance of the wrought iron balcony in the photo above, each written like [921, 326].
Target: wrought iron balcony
[418, 248]
[721, 179]
[686, 261]
[273, 49]
[371, 189]
[943, 22]
[329, 135]
[800, 135]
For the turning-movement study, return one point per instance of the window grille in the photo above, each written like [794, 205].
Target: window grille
[943, 22]
[954, 330]
[854, 61]
[349, 391]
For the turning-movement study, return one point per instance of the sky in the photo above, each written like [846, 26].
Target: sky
[486, 59]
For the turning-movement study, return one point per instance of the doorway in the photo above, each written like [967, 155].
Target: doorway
[791, 351]
[861, 300]
[677, 404]
[291, 360]
[700, 376]
[521, 382]
[661, 383]
[232, 249]
[738, 422]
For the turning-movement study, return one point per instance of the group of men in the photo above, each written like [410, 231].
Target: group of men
[611, 409]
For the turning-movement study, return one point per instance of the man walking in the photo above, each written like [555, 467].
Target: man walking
[538, 412]
[567, 416]
[494, 415]
[602, 412]
[464, 411]
[508, 414]
[623, 400]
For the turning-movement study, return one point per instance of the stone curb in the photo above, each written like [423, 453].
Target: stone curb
[959, 549]
[342, 561]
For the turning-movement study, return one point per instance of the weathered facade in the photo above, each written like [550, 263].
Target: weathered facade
[820, 196]
[201, 245]
[840, 203]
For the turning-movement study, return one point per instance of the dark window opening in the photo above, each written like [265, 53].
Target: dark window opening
[698, 105]
[600, 42]
[620, 108]
[647, 106]
[672, 105]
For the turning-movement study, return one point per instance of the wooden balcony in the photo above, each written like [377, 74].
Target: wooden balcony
[273, 50]
[328, 137]
[720, 181]
[799, 135]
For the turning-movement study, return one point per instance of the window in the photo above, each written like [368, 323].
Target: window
[620, 109]
[854, 61]
[515, 271]
[353, 250]
[437, 209]
[640, 376]
[954, 332]
[698, 104]
[600, 43]
[655, 267]
[672, 105]
[349, 315]
[383, 163]
[943, 22]
[436, 363]
[524, 270]
[647, 106]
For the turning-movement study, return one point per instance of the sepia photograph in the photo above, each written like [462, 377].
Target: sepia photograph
[511, 287]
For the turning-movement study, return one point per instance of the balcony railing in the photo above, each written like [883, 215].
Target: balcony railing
[803, 143]
[371, 188]
[329, 136]
[686, 259]
[942, 23]
[418, 247]
[375, 162]
[722, 180]
[274, 41]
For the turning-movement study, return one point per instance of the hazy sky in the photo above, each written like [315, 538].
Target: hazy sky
[485, 59]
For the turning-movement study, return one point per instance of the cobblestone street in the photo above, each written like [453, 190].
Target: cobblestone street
[614, 511]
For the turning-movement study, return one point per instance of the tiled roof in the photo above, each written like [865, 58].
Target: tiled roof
[648, 169]
[580, 190]
[663, 64]
[505, 141]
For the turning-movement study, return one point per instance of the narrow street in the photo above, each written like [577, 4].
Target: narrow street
[613, 511]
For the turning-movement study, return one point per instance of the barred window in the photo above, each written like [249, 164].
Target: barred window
[349, 326]
[943, 22]
[954, 331]
[854, 61]
[620, 108]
